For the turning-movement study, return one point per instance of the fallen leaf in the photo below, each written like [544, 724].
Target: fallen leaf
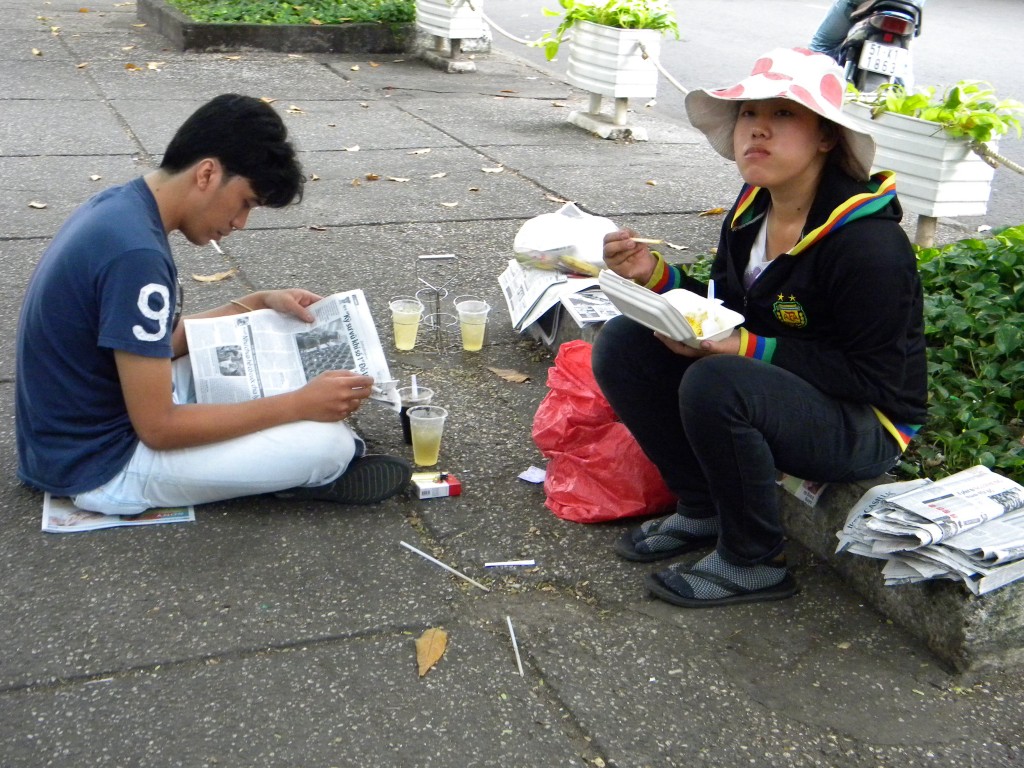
[267, 100]
[372, 177]
[83, 65]
[83, 10]
[354, 68]
[499, 169]
[36, 52]
[474, 189]
[430, 648]
[155, 65]
[216, 277]
[54, 31]
[449, 205]
[315, 22]
[356, 183]
[399, 179]
[509, 374]
[373, 63]
[132, 67]
[439, 175]
[36, 204]
[294, 110]
[419, 151]
[651, 183]
[712, 212]
[314, 177]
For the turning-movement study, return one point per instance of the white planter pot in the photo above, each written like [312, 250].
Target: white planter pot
[935, 175]
[451, 19]
[607, 61]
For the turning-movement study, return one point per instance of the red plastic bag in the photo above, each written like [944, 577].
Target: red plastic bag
[596, 470]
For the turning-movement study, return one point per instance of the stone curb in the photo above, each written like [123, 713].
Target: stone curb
[188, 35]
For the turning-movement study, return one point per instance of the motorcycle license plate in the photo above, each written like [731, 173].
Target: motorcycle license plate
[884, 59]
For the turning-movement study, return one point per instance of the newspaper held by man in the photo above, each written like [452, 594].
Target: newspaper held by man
[264, 353]
[967, 526]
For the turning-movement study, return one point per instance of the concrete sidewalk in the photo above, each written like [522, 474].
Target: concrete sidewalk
[277, 634]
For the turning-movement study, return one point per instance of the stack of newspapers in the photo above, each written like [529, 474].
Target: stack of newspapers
[968, 526]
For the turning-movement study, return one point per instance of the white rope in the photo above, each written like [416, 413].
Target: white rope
[662, 69]
[511, 37]
[567, 38]
[993, 158]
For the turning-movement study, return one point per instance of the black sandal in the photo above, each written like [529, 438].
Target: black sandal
[671, 587]
[626, 546]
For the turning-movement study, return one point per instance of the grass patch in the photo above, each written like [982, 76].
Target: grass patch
[309, 12]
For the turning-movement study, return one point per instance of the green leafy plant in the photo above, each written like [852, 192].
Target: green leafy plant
[974, 326]
[623, 14]
[969, 109]
[307, 12]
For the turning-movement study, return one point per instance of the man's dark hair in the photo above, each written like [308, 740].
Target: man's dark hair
[249, 138]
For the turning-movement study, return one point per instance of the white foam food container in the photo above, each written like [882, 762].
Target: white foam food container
[668, 312]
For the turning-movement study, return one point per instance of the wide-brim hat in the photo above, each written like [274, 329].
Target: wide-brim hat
[811, 79]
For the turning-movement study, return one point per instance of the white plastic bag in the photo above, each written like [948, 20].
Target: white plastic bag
[556, 240]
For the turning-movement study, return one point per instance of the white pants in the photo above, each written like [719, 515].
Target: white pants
[304, 453]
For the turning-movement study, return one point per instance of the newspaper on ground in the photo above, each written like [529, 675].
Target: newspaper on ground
[60, 515]
[968, 526]
[529, 292]
[589, 307]
[263, 353]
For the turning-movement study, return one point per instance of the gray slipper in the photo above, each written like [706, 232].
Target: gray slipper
[647, 545]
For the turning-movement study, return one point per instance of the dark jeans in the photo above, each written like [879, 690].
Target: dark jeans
[719, 427]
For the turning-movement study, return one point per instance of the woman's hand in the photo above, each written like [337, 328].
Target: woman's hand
[730, 345]
[628, 258]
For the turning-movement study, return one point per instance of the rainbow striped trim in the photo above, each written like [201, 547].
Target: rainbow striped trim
[665, 276]
[882, 189]
[903, 433]
[757, 347]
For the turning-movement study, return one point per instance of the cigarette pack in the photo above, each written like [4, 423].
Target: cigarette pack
[433, 485]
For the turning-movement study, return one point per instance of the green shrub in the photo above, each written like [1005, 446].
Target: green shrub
[308, 12]
[974, 325]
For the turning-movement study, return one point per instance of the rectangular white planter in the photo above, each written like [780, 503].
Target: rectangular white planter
[607, 61]
[454, 20]
[935, 175]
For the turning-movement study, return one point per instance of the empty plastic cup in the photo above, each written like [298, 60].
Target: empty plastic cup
[427, 424]
[472, 323]
[406, 314]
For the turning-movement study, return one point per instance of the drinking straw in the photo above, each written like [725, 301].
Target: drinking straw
[711, 290]
[415, 389]
[515, 645]
[435, 561]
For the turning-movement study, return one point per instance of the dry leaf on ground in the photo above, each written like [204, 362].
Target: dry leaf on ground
[216, 277]
[430, 648]
[509, 374]
[712, 212]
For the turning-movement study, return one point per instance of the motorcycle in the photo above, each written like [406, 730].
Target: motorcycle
[877, 47]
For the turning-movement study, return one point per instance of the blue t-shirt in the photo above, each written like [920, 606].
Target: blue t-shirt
[107, 282]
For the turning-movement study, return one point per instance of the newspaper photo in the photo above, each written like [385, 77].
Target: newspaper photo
[589, 307]
[60, 515]
[529, 293]
[968, 526]
[263, 353]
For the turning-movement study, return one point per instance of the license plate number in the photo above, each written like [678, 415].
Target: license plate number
[884, 59]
